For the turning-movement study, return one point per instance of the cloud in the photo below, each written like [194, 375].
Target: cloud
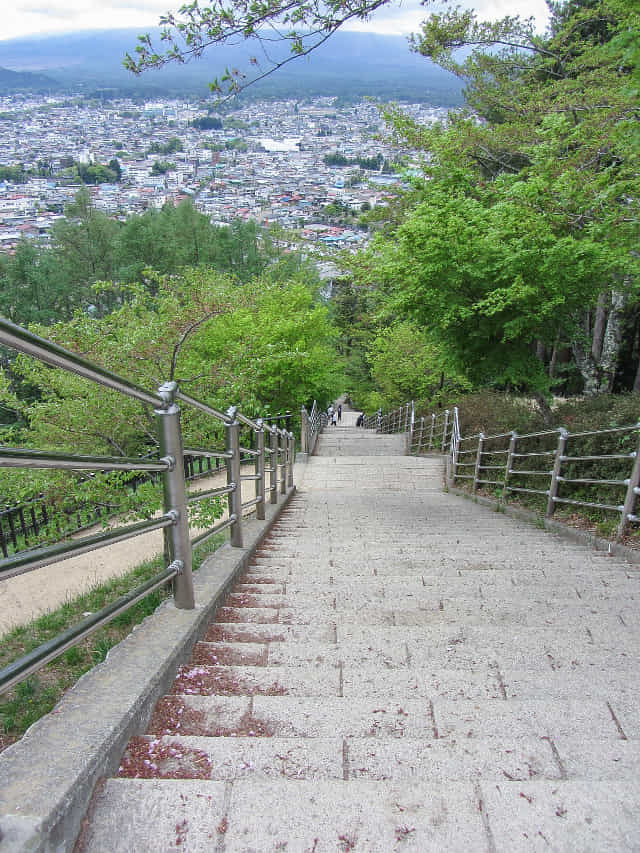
[28, 17]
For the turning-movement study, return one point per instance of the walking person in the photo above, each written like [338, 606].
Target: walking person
[339, 412]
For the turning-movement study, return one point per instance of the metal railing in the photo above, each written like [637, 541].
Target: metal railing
[311, 425]
[426, 434]
[28, 524]
[554, 466]
[174, 519]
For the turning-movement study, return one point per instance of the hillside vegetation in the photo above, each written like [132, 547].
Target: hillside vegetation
[512, 263]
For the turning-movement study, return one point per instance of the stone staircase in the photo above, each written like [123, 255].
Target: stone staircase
[397, 670]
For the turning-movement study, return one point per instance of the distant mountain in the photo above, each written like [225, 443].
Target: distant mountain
[352, 64]
[21, 81]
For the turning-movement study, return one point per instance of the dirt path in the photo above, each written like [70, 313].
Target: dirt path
[30, 595]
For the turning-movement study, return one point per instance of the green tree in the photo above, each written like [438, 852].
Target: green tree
[482, 269]
[261, 346]
[83, 243]
[161, 167]
[405, 364]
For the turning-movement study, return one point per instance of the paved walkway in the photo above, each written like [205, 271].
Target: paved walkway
[398, 670]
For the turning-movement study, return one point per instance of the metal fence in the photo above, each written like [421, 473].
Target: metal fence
[174, 520]
[28, 524]
[593, 470]
[311, 425]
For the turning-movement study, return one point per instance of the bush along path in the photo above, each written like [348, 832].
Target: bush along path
[397, 669]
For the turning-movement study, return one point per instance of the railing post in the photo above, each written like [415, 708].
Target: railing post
[632, 490]
[510, 452]
[555, 474]
[273, 476]
[283, 471]
[476, 473]
[421, 439]
[232, 428]
[445, 430]
[260, 471]
[292, 450]
[177, 537]
[433, 429]
[455, 456]
[304, 431]
[379, 429]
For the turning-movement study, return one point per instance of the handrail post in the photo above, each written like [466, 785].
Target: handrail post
[476, 473]
[177, 537]
[379, 429]
[555, 474]
[292, 450]
[455, 455]
[630, 497]
[304, 431]
[260, 471]
[512, 449]
[412, 421]
[273, 476]
[445, 430]
[433, 428]
[421, 439]
[233, 477]
[285, 454]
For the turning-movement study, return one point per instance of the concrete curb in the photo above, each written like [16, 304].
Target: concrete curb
[582, 537]
[47, 778]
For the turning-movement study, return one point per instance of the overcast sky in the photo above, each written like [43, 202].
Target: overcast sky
[28, 17]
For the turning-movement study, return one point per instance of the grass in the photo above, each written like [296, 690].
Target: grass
[38, 694]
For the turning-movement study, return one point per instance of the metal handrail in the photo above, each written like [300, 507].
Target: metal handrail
[36, 558]
[175, 519]
[311, 425]
[22, 668]
[449, 440]
[204, 407]
[21, 457]
[213, 454]
[211, 493]
[29, 343]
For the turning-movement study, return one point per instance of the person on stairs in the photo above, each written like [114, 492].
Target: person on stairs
[339, 412]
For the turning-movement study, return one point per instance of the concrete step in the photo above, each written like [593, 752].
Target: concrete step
[395, 759]
[377, 758]
[363, 815]
[396, 670]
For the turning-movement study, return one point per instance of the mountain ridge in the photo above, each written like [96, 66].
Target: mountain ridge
[350, 62]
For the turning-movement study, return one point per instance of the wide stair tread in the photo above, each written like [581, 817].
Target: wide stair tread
[360, 690]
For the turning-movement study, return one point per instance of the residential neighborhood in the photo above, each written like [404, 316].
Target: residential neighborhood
[264, 160]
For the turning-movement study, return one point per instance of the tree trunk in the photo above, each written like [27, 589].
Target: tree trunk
[545, 408]
[598, 372]
[599, 326]
[612, 339]
[636, 381]
[554, 359]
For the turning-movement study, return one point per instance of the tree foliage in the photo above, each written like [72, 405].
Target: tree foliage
[523, 238]
[45, 283]
[262, 346]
